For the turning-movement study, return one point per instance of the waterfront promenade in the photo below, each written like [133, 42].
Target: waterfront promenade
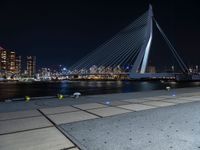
[152, 120]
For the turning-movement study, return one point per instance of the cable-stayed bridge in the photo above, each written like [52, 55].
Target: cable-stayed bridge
[127, 52]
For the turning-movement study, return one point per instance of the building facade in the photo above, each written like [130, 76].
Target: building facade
[3, 59]
[9, 62]
[18, 65]
[31, 66]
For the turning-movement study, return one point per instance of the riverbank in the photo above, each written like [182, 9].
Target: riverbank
[13, 91]
[53, 101]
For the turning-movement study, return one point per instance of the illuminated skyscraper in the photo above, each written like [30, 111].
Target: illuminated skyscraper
[18, 65]
[11, 62]
[31, 65]
[3, 59]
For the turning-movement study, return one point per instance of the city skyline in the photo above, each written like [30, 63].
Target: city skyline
[12, 65]
[56, 36]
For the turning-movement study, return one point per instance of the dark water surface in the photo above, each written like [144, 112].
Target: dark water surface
[36, 89]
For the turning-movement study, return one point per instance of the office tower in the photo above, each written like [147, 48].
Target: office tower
[31, 65]
[11, 62]
[3, 59]
[18, 65]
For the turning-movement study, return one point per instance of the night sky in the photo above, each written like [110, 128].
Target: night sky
[62, 32]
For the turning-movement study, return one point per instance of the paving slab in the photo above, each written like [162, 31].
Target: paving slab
[17, 125]
[190, 94]
[138, 100]
[170, 96]
[177, 100]
[71, 117]
[197, 96]
[90, 106]
[115, 103]
[136, 107]
[55, 110]
[73, 148]
[158, 103]
[19, 114]
[108, 111]
[192, 98]
[40, 139]
[155, 98]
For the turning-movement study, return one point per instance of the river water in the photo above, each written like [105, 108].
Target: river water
[37, 89]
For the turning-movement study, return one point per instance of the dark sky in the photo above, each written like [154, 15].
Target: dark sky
[61, 32]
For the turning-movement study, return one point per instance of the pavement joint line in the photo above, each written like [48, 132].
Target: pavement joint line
[146, 100]
[88, 111]
[179, 100]
[170, 98]
[81, 146]
[57, 127]
[148, 105]
[20, 118]
[166, 101]
[126, 101]
[60, 112]
[90, 108]
[110, 105]
[176, 103]
[153, 99]
[69, 148]
[111, 115]
[25, 130]
[97, 107]
[137, 110]
[169, 102]
[136, 102]
[140, 102]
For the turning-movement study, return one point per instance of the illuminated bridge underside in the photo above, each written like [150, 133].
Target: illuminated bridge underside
[127, 49]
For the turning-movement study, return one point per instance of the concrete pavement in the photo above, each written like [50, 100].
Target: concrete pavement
[140, 121]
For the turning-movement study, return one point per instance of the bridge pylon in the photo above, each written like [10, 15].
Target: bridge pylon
[140, 63]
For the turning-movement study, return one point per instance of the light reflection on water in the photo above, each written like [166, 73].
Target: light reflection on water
[15, 90]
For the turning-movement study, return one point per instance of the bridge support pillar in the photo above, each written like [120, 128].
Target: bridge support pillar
[140, 64]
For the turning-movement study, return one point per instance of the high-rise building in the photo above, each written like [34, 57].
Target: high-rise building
[3, 59]
[18, 65]
[31, 65]
[11, 62]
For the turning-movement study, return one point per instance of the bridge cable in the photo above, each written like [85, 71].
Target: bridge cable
[180, 61]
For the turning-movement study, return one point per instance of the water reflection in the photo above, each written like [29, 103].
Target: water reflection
[13, 90]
